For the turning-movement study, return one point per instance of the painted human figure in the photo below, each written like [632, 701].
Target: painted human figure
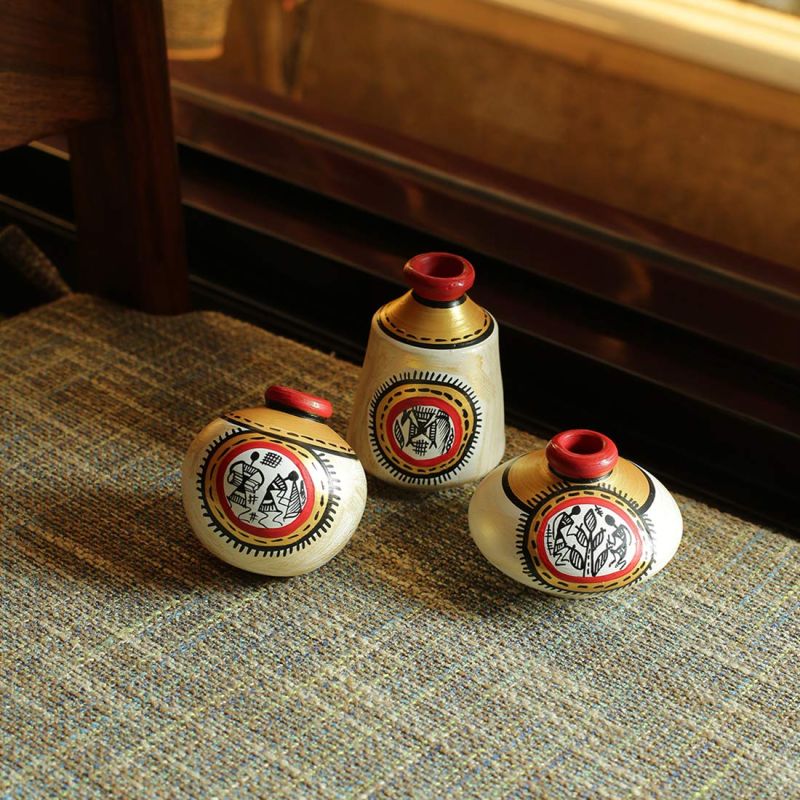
[618, 539]
[284, 500]
[563, 527]
[297, 496]
[246, 480]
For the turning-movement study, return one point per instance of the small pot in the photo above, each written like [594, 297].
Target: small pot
[273, 489]
[428, 410]
[575, 519]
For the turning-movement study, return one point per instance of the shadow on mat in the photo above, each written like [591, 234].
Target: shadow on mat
[121, 536]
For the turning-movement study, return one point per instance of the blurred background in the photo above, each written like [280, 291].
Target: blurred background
[675, 111]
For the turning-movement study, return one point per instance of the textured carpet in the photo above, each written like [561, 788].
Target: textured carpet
[133, 664]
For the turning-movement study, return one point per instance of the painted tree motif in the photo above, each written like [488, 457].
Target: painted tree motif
[589, 539]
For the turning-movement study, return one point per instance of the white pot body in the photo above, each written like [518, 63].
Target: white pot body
[516, 528]
[424, 417]
[272, 493]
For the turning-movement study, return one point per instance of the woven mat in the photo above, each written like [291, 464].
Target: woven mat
[133, 664]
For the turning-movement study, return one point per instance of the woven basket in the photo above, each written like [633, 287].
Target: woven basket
[195, 28]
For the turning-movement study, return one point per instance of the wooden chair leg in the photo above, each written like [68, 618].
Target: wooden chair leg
[125, 175]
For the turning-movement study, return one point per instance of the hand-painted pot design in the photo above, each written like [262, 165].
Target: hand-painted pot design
[574, 519]
[274, 490]
[428, 410]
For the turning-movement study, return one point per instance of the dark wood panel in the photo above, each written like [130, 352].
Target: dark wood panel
[687, 282]
[54, 71]
[619, 337]
[634, 129]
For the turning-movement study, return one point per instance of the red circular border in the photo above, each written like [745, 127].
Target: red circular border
[588, 500]
[265, 533]
[424, 401]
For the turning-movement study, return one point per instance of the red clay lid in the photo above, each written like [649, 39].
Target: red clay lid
[439, 276]
[293, 399]
[581, 454]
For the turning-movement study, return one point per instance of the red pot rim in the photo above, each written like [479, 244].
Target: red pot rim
[581, 453]
[294, 399]
[441, 277]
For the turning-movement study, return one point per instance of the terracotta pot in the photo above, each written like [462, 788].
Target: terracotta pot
[574, 519]
[273, 489]
[428, 411]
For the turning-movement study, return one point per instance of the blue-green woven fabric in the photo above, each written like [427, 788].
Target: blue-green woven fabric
[133, 664]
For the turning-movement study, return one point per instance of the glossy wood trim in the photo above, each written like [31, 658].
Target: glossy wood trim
[685, 281]
[639, 345]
